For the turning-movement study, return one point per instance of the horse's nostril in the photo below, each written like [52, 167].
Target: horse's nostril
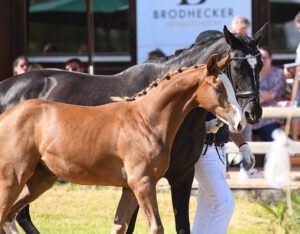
[247, 115]
[240, 127]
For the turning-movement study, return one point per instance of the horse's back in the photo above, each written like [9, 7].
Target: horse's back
[70, 87]
[48, 84]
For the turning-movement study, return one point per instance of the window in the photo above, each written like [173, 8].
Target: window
[59, 28]
[283, 34]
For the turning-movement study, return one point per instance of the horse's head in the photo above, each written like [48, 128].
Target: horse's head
[217, 95]
[243, 71]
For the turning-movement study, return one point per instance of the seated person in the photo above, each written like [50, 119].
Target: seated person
[272, 89]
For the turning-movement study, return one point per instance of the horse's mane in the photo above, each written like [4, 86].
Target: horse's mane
[209, 37]
[155, 83]
[205, 38]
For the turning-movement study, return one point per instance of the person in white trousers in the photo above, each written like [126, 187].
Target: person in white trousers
[215, 202]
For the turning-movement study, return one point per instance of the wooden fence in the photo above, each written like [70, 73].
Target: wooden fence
[261, 147]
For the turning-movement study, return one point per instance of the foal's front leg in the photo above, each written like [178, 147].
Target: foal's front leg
[126, 208]
[145, 193]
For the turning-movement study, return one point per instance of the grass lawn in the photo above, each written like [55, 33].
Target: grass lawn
[74, 209]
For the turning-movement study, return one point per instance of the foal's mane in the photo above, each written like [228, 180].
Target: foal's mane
[155, 83]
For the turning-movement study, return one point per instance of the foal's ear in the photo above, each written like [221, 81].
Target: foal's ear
[211, 63]
[259, 35]
[223, 62]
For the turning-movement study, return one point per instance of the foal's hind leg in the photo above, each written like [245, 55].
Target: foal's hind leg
[40, 182]
[11, 184]
[126, 208]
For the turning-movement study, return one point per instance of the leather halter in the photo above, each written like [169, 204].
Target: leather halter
[251, 94]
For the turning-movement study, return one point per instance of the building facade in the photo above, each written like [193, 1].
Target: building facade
[50, 32]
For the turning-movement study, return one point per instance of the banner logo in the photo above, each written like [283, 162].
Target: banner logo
[188, 2]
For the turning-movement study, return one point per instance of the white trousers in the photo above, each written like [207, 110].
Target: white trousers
[215, 202]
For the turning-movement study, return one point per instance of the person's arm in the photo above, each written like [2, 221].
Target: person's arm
[266, 96]
[238, 139]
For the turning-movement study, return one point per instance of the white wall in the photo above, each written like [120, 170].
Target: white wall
[169, 25]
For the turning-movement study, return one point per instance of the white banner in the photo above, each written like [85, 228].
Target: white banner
[174, 24]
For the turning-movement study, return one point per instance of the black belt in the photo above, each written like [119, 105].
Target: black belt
[212, 143]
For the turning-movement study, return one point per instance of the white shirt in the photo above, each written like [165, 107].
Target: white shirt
[298, 54]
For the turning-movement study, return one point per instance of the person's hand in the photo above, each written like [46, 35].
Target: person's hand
[212, 126]
[248, 156]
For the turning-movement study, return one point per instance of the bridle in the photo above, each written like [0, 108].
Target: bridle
[250, 94]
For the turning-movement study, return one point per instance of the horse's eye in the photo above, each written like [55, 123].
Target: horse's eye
[219, 88]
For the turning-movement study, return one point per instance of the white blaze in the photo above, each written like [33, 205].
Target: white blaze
[239, 116]
[251, 60]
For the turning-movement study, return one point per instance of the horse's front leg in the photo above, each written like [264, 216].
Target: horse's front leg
[126, 208]
[181, 192]
[145, 193]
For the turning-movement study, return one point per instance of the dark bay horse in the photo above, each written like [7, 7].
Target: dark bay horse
[123, 144]
[76, 88]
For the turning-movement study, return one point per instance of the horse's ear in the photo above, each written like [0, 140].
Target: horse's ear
[211, 63]
[259, 35]
[230, 38]
[223, 62]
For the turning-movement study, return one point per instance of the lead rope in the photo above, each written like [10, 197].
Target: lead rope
[205, 150]
[214, 140]
[219, 155]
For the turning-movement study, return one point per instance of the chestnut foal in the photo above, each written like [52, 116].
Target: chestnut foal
[125, 144]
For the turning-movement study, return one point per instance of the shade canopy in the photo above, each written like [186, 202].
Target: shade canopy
[108, 13]
[103, 6]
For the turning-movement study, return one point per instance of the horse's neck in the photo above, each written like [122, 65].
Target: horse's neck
[198, 54]
[150, 71]
[166, 106]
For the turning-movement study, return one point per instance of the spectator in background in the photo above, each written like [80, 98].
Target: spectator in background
[20, 65]
[240, 25]
[74, 65]
[35, 66]
[291, 73]
[272, 89]
[155, 54]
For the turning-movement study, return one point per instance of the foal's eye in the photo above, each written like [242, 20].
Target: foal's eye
[219, 88]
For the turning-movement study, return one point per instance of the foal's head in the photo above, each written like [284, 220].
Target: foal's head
[216, 95]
